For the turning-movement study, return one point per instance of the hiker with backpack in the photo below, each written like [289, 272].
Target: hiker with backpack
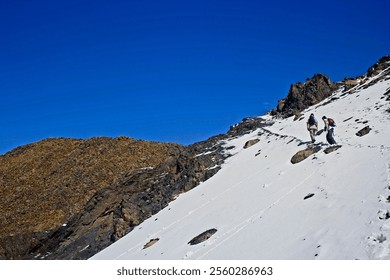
[312, 127]
[329, 127]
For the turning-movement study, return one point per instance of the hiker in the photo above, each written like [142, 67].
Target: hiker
[329, 127]
[312, 127]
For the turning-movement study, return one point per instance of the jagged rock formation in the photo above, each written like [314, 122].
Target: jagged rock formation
[304, 95]
[320, 87]
[378, 67]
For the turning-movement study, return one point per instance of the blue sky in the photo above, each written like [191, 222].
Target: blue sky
[173, 71]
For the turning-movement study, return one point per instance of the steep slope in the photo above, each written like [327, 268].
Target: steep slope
[332, 205]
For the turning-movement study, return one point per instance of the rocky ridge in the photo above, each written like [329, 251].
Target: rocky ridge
[319, 87]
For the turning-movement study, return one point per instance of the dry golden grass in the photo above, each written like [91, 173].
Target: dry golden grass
[43, 184]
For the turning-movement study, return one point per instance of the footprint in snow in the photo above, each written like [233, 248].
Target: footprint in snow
[383, 215]
[378, 246]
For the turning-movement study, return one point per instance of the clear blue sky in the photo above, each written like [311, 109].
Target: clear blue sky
[175, 71]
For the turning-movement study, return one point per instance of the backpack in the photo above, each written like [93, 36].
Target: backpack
[312, 120]
[331, 122]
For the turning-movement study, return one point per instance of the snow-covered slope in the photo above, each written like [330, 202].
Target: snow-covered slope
[329, 206]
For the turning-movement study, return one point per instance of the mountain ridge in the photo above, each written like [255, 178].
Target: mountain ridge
[113, 206]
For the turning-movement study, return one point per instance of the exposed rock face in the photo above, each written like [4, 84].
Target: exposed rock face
[212, 153]
[304, 95]
[247, 125]
[378, 67]
[350, 83]
[302, 155]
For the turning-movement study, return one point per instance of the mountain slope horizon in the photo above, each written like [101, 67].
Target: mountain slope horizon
[71, 198]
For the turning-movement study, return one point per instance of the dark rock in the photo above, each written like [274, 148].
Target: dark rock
[363, 131]
[332, 149]
[247, 125]
[304, 95]
[302, 155]
[250, 143]
[378, 67]
[351, 82]
[202, 237]
[308, 196]
[151, 243]
[347, 119]
[384, 215]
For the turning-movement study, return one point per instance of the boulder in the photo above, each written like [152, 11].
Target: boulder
[151, 243]
[302, 155]
[332, 149]
[202, 237]
[250, 143]
[363, 131]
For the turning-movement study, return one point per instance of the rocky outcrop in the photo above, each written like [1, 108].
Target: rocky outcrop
[304, 95]
[212, 152]
[350, 83]
[247, 125]
[378, 67]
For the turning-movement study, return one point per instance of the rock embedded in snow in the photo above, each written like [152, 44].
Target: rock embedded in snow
[151, 243]
[332, 149]
[363, 131]
[203, 236]
[250, 143]
[302, 155]
[308, 196]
